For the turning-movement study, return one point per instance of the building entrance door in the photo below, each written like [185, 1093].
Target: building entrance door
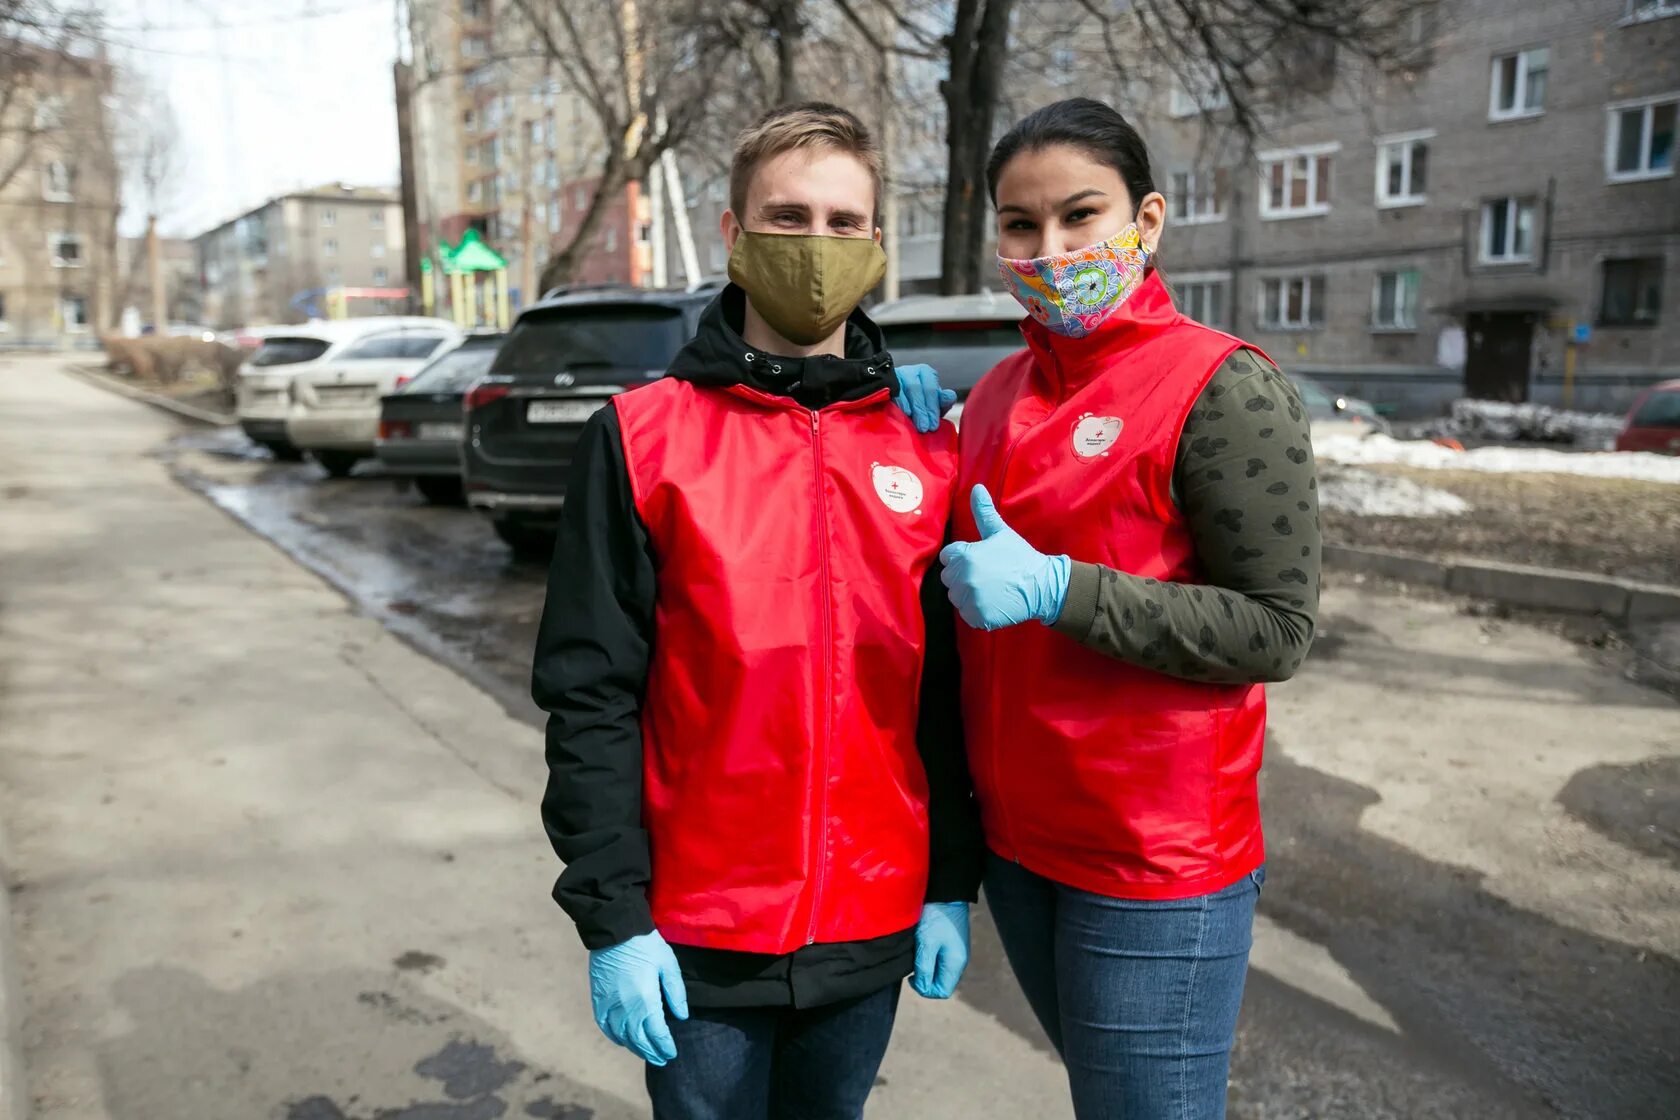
[1498, 345]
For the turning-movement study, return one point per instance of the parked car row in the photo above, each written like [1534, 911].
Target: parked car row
[493, 419]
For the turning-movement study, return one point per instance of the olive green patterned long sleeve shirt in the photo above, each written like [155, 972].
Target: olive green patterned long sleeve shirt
[1246, 483]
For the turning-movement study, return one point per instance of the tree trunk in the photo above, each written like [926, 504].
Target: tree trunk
[614, 177]
[979, 44]
[785, 26]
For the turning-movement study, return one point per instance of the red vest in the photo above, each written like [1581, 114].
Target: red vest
[784, 797]
[1091, 771]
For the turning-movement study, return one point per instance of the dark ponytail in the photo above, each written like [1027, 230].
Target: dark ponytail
[1088, 125]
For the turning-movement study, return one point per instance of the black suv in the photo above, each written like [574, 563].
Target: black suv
[563, 359]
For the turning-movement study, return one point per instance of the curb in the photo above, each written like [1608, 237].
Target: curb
[1622, 601]
[156, 400]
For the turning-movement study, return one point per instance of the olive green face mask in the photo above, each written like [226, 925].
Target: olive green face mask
[804, 285]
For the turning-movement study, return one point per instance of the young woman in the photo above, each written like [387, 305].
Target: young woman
[1138, 554]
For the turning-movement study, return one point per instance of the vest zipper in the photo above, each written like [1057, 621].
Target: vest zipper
[998, 492]
[819, 825]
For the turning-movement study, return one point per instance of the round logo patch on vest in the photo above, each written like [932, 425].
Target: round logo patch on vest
[900, 490]
[1094, 435]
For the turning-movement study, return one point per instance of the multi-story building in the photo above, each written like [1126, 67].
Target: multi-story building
[275, 264]
[58, 200]
[1500, 219]
[504, 147]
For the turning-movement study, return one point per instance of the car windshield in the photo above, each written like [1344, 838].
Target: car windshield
[632, 337]
[455, 371]
[289, 351]
[961, 352]
[1660, 410]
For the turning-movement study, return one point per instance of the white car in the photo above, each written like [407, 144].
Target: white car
[264, 394]
[333, 402]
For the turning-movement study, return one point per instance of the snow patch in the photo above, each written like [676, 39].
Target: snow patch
[1370, 494]
[1638, 465]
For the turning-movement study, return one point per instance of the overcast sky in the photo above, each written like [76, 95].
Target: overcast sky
[284, 95]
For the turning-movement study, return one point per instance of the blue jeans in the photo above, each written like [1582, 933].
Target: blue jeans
[775, 1063]
[1139, 998]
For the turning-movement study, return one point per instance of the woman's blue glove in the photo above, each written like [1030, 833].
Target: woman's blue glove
[1001, 580]
[941, 949]
[920, 396]
[624, 985]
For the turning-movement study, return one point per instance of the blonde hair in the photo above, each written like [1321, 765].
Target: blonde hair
[807, 125]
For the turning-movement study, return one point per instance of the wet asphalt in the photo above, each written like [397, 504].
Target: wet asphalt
[1502, 1011]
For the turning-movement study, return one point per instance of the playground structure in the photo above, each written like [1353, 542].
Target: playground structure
[477, 284]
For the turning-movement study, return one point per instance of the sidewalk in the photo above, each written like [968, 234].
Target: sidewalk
[268, 861]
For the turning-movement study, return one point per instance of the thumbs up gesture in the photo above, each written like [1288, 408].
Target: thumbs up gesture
[1001, 580]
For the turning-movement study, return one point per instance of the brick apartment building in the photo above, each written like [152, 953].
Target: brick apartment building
[1462, 227]
[273, 264]
[58, 207]
[501, 146]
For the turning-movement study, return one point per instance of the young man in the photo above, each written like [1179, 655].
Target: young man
[756, 774]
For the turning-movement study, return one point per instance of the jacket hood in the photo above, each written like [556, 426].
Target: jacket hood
[719, 357]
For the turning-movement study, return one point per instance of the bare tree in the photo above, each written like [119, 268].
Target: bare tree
[149, 157]
[37, 39]
[1239, 60]
[646, 69]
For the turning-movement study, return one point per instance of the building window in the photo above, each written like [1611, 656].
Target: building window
[536, 132]
[1507, 230]
[475, 191]
[473, 46]
[377, 251]
[329, 248]
[579, 198]
[1403, 169]
[553, 216]
[1394, 300]
[1296, 183]
[332, 275]
[551, 173]
[549, 137]
[74, 311]
[1640, 10]
[1202, 299]
[1632, 292]
[49, 113]
[65, 249]
[381, 276]
[1519, 84]
[329, 218]
[1198, 196]
[58, 182]
[376, 219]
[610, 244]
[1641, 140]
[1198, 91]
[1292, 302]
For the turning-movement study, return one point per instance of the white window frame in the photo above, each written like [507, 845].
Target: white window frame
[49, 191]
[329, 219]
[1407, 142]
[64, 319]
[1613, 118]
[1314, 207]
[1183, 281]
[1638, 11]
[58, 238]
[376, 218]
[1210, 95]
[329, 247]
[1519, 92]
[1396, 324]
[377, 250]
[475, 192]
[1312, 296]
[1514, 205]
[1194, 180]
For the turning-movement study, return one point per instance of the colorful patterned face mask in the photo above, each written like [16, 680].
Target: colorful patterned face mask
[1072, 293]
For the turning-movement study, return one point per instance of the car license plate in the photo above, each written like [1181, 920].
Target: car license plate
[450, 432]
[561, 412]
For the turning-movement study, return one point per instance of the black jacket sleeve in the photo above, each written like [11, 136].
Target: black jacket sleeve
[590, 674]
[957, 849]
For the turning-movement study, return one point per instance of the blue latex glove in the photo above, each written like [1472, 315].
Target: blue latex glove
[624, 985]
[941, 949]
[920, 396]
[1001, 580]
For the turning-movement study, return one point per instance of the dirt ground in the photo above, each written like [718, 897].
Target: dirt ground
[1610, 526]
